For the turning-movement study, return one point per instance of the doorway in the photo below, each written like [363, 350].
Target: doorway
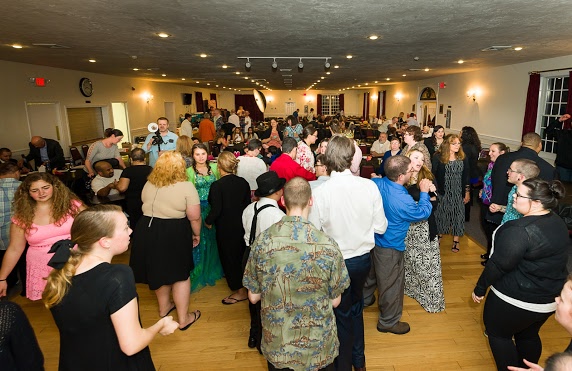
[121, 120]
[171, 116]
[289, 108]
[44, 120]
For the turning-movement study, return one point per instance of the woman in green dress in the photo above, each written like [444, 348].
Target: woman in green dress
[202, 174]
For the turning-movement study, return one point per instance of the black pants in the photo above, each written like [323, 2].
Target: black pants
[271, 367]
[254, 309]
[488, 227]
[504, 321]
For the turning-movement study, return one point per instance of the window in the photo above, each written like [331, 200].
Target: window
[86, 125]
[552, 105]
[330, 104]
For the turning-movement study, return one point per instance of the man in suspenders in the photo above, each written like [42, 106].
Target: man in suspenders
[256, 218]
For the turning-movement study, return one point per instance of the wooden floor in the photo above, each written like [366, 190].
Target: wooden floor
[450, 340]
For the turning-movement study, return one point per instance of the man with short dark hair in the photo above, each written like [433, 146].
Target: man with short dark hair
[131, 182]
[207, 130]
[105, 183]
[349, 209]
[387, 270]
[285, 165]
[186, 127]
[322, 172]
[169, 141]
[287, 254]
[46, 151]
[250, 166]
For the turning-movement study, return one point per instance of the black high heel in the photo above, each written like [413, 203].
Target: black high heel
[455, 248]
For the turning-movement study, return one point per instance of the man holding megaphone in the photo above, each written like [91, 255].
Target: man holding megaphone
[159, 140]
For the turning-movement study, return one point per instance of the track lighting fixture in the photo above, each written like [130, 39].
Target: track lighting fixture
[300, 64]
[327, 65]
[274, 64]
[247, 65]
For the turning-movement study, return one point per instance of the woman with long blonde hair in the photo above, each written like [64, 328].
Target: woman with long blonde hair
[422, 258]
[228, 197]
[451, 170]
[94, 302]
[185, 148]
[44, 209]
[162, 254]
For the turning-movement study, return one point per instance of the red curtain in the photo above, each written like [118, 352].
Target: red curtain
[319, 104]
[531, 108]
[199, 101]
[365, 106]
[249, 104]
[383, 103]
[567, 123]
[342, 103]
[377, 111]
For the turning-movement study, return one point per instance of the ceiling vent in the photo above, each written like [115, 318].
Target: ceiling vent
[496, 48]
[285, 70]
[51, 46]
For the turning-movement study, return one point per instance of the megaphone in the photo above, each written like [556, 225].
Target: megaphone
[153, 127]
[260, 100]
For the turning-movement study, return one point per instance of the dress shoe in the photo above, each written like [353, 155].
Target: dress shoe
[484, 256]
[399, 328]
[252, 341]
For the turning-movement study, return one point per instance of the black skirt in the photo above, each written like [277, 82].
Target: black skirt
[162, 251]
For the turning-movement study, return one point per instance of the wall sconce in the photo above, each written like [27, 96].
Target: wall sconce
[473, 94]
[374, 97]
[269, 99]
[147, 97]
[398, 96]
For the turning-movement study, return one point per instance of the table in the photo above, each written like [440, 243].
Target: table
[113, 199]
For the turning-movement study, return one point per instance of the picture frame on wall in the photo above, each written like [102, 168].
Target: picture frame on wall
[440, 109]
[413, 108]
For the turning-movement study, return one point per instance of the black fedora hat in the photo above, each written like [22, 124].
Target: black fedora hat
[268, 183]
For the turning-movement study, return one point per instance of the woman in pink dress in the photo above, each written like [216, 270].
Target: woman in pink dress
[44, 210]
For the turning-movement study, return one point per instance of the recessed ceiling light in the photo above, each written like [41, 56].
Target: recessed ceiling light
[224, 87]
[374, 37]
[163, 75]
[203, 55]
[91, 60]
[245, 77]
[359, 86]
[349, 56]
[136, 69]
[460, 61]
[404, 75]
[208, 83]
[237, 73]
[327, 73]
[183, 79]
[366, 83]
[197, 82]
[518, 48]
[322, 77]
[217, 86]
[353, 87]
[426, 69]
[163, 34]
[375, 82]
[224, 66]
[289, 89]
[387, 79]
[17, 46]
[251, 80]
[336, 66]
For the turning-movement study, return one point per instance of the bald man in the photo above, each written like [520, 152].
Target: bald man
[44, 151]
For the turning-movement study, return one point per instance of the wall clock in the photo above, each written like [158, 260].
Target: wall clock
[85, 87]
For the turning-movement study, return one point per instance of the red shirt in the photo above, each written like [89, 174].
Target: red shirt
[287, 168]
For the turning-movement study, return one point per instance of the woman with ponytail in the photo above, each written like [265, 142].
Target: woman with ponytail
[44, 210]
[228, 197]
[526, 271]
[94, 302]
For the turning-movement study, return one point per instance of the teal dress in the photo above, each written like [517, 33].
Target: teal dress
[208, 268]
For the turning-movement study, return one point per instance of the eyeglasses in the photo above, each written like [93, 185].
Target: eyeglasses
[512, 171]
[518, 195]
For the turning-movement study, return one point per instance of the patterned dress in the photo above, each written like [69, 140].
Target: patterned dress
[422, 262]
[450, 213]
[207, 263]
[305, 157]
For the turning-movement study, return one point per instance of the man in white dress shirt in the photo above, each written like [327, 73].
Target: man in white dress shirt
[350, 210]
[234, 119]
[186, 127]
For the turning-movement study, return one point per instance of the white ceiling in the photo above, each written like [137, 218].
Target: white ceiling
[438, 32]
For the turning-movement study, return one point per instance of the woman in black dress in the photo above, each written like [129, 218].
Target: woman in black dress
[228, 197]
[132, 181]
[94, 302]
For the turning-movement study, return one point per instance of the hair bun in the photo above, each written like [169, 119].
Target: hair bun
[557, 189]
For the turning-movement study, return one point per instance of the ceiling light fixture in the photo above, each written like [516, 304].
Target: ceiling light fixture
[336, 66]
[247, 65]
[208, 84]
[224, 66]
[327, 73]
[203, 55]
[17, 46]
[366, 84]
[387, 79]
[163, 35]
[349, 56]
[163, 75]
[300, 64]
[274, 64]
[375, 82]
[460, 61]
[426, 69]
[237, 73]
[183, 79]
[404, 75]
[327, 65]
[136, 69]
[374, 37]
[518, 48]
[91, 60]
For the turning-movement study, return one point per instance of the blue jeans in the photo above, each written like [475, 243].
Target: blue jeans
[564, 174]
[349, 316]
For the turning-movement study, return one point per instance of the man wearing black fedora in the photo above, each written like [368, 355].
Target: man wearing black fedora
[270, 190]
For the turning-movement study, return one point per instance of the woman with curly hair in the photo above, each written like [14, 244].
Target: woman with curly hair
[413, 138]
[44, 209]
[228, 197]
[203, 174]
[161, 254]
[451, 170]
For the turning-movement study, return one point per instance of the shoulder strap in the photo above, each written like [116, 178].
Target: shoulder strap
[254, 222]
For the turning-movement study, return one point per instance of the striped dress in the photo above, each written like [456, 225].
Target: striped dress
[450, 214]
